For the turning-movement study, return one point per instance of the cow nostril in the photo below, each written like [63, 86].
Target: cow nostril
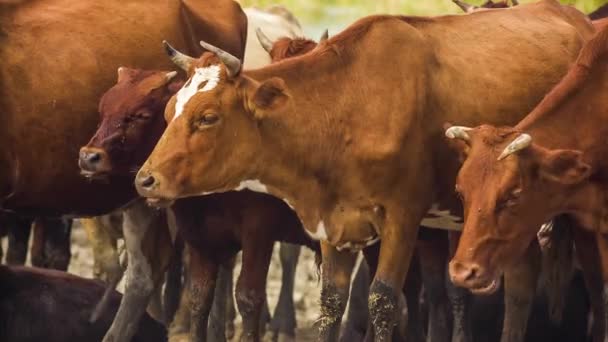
[147, 181]
[94, 157]
[473, 272]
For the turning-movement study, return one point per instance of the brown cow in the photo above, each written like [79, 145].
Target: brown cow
[552, 162]
[49, 97]
[339, 132]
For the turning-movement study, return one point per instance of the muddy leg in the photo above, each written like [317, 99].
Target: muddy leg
[217, 318]
[432, 248]
[202, 278]
[520, 288]
[398, 241]
[251, 287]
[283, 324]
[460, 300]
[148, 245]
[336, 270]
[18, 238]
[358, 315]
[589, 257]
[181, 320]
[106, 264]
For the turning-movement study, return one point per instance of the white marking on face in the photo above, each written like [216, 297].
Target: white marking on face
[210, 74]
[253, 185]
[320, 233]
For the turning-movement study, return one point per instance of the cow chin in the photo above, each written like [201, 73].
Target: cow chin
[490, 287]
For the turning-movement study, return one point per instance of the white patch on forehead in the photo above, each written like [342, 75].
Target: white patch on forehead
[253, 185]
[442, 219]
[210, 74]
[320, 233]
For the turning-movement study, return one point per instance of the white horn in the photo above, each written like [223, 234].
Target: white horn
[521, 142]
[181, 60]
[170, 75]
[458, 132]
[233, 64]
[264, 40]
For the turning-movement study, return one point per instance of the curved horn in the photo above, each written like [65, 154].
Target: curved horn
[264, 40]
[233, 64]
[324, 36]
[181, 60]
[464, 6]
[458, 132]
[170, 75]
[521, 142]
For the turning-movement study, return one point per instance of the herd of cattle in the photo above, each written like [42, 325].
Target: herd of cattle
[461, 154]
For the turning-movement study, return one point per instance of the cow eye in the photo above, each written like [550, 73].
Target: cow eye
[142, 115]
[207, 120]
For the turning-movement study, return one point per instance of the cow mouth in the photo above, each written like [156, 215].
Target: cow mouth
[160, 203]
[95, 175]
[487, 288]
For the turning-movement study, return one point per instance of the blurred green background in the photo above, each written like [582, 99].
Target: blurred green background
[317, 15]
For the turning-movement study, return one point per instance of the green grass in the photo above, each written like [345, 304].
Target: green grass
[318, 15]
[414, 7]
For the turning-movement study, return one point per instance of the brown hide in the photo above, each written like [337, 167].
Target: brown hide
[287, 47]
[348, 131]
[562, 170]
[58, 56]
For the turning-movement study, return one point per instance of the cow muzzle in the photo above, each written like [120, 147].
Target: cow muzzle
[474, 277]
[93, 162]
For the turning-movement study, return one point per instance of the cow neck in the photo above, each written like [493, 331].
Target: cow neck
[301, 141]
[573, 116]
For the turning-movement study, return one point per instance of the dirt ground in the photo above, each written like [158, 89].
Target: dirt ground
[306, 294]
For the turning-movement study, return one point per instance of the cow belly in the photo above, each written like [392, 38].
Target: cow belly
[442, 219]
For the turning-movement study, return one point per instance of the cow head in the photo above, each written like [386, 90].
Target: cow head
[509, 188]
[287, 47]
[213, 136]
[132, 121]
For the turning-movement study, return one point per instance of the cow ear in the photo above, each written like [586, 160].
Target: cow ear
[564, 166]
[270, 95]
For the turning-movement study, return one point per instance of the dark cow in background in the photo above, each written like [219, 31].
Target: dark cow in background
[53, 306]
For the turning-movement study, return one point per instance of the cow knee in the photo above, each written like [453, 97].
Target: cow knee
[249, 302]
[383, 307]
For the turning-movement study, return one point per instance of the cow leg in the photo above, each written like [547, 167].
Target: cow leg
[460, 300]
[173, 281]
[589, 259]
[432, 248]
[18, 238]
[251, 286]
[51, 243]
[336, 270]
[283, 323]
[396, 250]
[148, 244]
[230, 306]
[202, 277]
[358, 315]
[180, 325]
[602, 243]
[413, 285]
[106, 265]
[217, 318]
[520, 289]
